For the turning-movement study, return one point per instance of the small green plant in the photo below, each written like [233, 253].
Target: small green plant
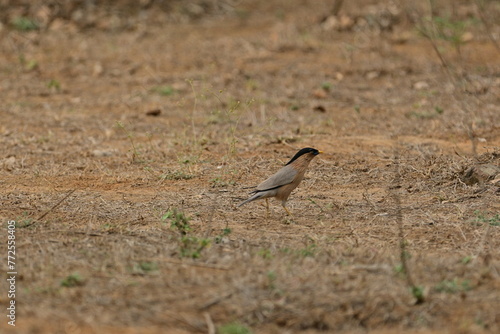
[406, 254]
[233, 328]
[72, 280]
[23, 23]
[189, 245]
[447, 29]
[467, 260]
[31, 65]
[252, 85]
[326, 86]
[399, 269]
[417, 292]
[309, 250]
[453, 286]
[286, 250]
[224, 233]
[44, 138]
[271, 278]
[148, 266]
[107, 227]
[46, 290]
[164, 90]
[480, 322]
[54, 84]
[451, 31]
[189, 159]
[228, 113]
[24, 221]
[28, 65]
[176, 175]
[266, 254]
[424, 114]
[135, 152]
[215, 117]
[481, 217]
[178, 221]
[439, 110]
[144, 267]
[192, 246]
[219, 182]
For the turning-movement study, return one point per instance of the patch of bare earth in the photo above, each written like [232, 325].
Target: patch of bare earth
[111, 137]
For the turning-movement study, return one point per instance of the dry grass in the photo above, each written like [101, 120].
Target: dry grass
[112, 256]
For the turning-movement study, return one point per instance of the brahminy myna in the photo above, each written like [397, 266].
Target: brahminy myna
[281, 184]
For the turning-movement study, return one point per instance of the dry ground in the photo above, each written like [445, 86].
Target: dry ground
[238, 92]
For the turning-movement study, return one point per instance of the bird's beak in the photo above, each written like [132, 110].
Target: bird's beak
[320, 152]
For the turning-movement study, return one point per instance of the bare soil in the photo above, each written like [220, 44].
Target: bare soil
[109, 130]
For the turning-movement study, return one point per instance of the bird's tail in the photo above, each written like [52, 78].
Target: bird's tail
[252, 198]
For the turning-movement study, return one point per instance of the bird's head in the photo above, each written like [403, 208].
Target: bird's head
[312, 152]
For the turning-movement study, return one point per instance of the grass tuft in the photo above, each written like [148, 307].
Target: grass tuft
[72, 280]
[493, 220]
[233, 328]
[23, 23]
[164, 90]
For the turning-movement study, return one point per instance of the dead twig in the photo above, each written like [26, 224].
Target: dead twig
[215, 301]
[369, 201]
[91, 234]
[183, 320]
[483, 250]
[403, 252]
[430, 36]
[210, 323]
[480, 10]
[211, 213]
[321, 208]
[52, 208]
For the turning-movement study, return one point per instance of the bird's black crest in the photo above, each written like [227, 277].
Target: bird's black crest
[302, 152]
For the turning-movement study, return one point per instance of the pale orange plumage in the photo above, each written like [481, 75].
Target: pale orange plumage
[281, 184]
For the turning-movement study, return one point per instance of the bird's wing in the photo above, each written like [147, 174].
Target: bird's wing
[284, 176]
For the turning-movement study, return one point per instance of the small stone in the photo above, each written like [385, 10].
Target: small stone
[101, 153]
[319, 108]
[346, 22]
[9, 163]
[401, 38]
[467, 37]
[419, 85]
[340, 23]
[372, 75]
[330, 23]
[154, 112]
[319, 93]
[98, 69]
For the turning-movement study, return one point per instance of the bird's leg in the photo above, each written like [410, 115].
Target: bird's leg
[286, 209]
[267, 206]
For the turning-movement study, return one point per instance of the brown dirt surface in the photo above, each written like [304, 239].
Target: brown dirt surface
[129, 134]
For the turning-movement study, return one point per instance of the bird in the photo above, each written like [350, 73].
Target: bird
[281, 184]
